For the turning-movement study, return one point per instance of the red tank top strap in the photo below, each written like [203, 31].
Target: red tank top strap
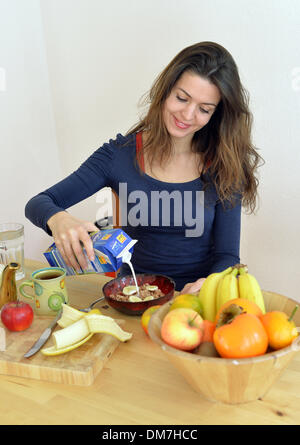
[139, 149]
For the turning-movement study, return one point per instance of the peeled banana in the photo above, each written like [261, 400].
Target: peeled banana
[69, 316]
[73, 333]
[208, 292]
[250, 289]
[78, 327]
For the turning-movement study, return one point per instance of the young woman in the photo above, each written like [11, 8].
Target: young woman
[182, 174]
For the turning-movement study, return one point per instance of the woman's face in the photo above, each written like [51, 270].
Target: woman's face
[190, 105]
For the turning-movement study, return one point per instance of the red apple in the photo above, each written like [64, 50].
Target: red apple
[17, 315]
[182, 328]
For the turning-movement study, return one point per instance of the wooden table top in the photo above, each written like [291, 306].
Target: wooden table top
[138, 386]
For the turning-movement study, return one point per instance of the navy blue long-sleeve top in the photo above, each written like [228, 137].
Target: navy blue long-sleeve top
[183, 230]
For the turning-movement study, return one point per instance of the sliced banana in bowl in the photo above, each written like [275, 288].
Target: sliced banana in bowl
[130, 290]
[134, 299]
[151, 287]
[132, 293]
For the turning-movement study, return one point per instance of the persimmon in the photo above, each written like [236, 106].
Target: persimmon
[239, 335]
[248, 306]
[280, 329]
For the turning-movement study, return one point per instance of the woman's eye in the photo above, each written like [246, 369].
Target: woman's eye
[182, 99]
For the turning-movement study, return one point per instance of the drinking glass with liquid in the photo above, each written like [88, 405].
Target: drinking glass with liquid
[12, 246]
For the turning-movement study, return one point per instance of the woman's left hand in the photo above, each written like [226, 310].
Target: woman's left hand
[193, 288]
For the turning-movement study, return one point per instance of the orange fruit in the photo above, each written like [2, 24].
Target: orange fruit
[280, 329]
[187, 301]
[208, 331]
[147, 315]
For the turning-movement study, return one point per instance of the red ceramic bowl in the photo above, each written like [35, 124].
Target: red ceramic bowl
[164, 283]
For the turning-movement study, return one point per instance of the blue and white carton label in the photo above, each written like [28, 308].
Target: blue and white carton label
[109, 246]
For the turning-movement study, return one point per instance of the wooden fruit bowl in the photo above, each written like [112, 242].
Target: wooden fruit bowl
[231, 381]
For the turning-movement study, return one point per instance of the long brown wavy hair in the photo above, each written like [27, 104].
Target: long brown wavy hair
[225, 141]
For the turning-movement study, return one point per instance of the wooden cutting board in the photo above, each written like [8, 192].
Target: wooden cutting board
[77, 367]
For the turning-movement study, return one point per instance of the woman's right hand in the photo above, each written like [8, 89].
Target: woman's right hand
[68, 232]
[193, 288]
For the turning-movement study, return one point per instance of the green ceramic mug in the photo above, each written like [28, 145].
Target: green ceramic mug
[49, 290]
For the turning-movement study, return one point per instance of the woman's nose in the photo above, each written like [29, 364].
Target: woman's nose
[188, 112]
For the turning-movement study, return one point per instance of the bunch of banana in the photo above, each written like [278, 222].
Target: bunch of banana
[233, 282]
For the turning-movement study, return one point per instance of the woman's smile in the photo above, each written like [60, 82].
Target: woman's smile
[180, 124]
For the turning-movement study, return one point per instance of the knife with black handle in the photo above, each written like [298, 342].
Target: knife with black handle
[44, 337]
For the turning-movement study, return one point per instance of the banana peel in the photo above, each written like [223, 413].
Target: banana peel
[52, 350]
[106, 325]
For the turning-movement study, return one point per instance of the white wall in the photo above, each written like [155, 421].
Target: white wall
[102, 56]
[27, 130]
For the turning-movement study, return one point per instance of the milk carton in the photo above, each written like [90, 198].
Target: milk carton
[110, 246]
